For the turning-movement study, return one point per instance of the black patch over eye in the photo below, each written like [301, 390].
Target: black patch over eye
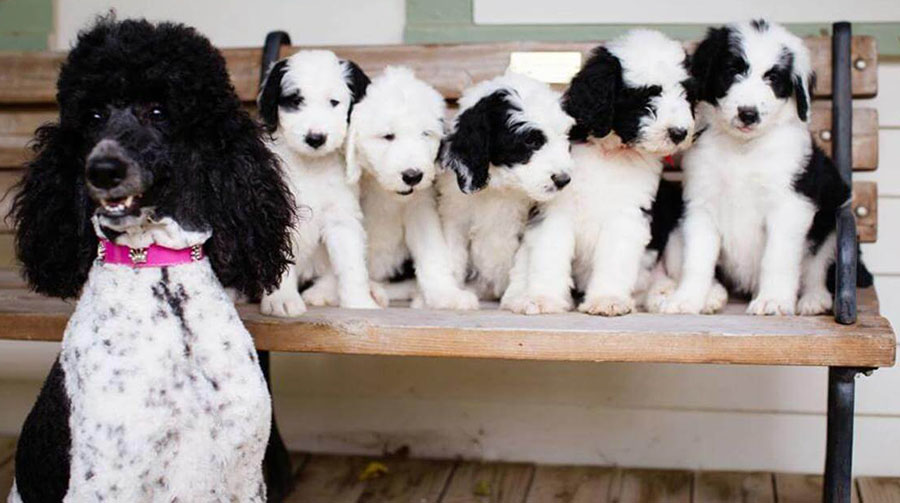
[290, 101]
[334, 103]
[632, 104]
[156, 113]
[515, 145]
[96, 117]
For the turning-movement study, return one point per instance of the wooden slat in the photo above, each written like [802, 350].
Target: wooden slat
[865, 207]
[475, 482]
[801, 488]
[30, 77]
[865, 134]
[732, 337]
[733, 487]
[337, 479]
[655, 486]
[879, 489]
[572, 484]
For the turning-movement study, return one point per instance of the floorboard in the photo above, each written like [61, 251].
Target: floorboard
[475, 482]
[733, 487]
[572, 484]
[800, 488]
[879, 489]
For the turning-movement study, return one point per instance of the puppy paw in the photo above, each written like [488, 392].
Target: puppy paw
[682, 304]
[607, 305]
[379, 294]
[538, 304]
[456, 299]
[716, 299]
[766, 305]
[366, 302]
[658, 294]
[283, 305]
[813, 303]
[322, 293]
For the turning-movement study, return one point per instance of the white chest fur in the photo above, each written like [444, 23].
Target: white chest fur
[167, 397]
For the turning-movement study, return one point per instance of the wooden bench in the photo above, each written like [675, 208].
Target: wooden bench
[860, 339]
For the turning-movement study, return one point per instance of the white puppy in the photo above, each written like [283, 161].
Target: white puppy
[631, 101]
[305, 103]
[760, 199]
[509, 149]
[393, 142]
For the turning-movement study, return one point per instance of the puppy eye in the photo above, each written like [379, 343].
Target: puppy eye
[96, 117]
[335, 103]
[388, 137]
[427, 134]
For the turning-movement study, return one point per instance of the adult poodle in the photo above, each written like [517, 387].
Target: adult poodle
[152, 193]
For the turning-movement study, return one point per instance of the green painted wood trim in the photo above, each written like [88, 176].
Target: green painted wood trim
[25, 24]
[451, 21]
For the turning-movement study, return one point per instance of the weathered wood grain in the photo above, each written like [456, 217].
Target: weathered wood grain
[30, 77]
[879, 489]
[731, 337]
[865, 207]
[655, 486]
[573, 484]
[475, 482]
[802, 488]
[733, 487]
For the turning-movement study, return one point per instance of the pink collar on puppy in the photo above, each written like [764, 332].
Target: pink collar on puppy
[151, 256]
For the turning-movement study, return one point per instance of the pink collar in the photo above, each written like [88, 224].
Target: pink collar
[151, 256]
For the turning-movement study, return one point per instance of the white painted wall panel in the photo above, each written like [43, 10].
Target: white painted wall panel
[687, 11]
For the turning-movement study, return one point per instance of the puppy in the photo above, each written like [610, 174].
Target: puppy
[508, 150]
[632, 106]
[393, 142]
[152, 191]
[305, 104]
[760, 198]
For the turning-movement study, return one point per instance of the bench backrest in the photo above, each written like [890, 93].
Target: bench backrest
[28, 82]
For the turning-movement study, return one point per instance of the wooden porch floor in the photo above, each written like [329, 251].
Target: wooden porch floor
[396, 479]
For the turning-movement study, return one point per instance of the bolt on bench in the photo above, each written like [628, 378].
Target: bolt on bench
[858, 339]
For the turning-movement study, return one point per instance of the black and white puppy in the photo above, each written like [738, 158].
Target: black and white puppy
[157, 394]
[760, 197]
[507, 151]
[305, 103]
[632, 106]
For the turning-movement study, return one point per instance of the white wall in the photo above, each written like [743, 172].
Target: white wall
[242, 23]
[688, 416]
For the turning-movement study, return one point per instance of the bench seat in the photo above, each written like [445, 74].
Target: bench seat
[730, 337]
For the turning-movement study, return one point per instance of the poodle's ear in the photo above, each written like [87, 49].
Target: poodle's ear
[706, 62]
[55, 241]
[250, 210]
[357, 81]
[803, 88]
[467, 149]
[353, 169]
[270, 94]
[591, 96]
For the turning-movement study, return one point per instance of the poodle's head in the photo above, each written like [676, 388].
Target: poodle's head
[511, 133]
[150, 128]
[751, 76]
[395, 132]
[636, 88]
[307, 99]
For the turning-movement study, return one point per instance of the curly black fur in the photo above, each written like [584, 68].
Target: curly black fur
[357, 81]
[205, 158]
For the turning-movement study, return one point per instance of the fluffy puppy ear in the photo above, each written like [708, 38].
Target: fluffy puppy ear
[52, 213]
[269, 95]
[803, 88]
[249, 208]
[707, 60]
[591, 96]
[357, 81]
[467, 149]
[353, 169]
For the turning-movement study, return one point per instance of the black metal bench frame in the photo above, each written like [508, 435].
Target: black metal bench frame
[841, 380]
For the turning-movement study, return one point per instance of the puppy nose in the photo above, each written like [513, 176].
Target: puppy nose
[315, 140]
[748, 115]
[677, 134]
[411, 177]
[560, 179]
[106, 173]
